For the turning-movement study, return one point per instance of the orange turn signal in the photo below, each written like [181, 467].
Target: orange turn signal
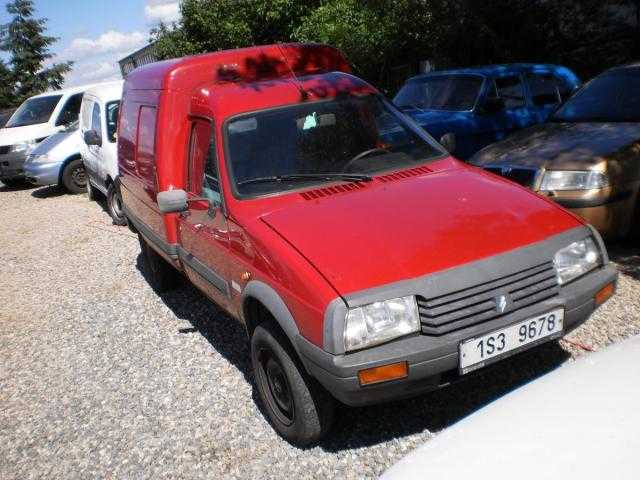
[384, 373]
[605, 293]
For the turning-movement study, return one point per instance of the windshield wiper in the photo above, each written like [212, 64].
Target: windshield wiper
[305, 177]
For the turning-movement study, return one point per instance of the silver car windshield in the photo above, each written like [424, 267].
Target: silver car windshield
[34, 111]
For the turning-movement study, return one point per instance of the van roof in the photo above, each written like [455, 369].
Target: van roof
[69, 90]
[107, 91]
[246, 65]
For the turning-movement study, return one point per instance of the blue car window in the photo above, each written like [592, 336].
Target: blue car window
[544, 89]
[440, 92]
[510, 90]
[95, 120]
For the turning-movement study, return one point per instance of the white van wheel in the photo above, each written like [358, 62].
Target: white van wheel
[114, 204]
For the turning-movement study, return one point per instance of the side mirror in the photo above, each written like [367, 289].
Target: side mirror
[493, 105]
[172, 201]
[91, 137]
[448, 141]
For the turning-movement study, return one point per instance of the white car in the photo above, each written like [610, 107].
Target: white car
[580, 421]
[56, 161]
[98, 127]
[33, 121]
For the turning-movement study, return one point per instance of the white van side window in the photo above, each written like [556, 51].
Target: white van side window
[95, 120]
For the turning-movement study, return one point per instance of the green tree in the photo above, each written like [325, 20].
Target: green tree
[25, 40]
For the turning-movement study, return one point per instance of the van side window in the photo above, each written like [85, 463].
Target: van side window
[70, 111]
[544, 89]
[86, 111]
[112, 119]
[203, 167]
[511, 91]
[95, 120]
[146, 144]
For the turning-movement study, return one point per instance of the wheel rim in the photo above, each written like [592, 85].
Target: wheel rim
[115, 205]
[79, 177]
[276, 387]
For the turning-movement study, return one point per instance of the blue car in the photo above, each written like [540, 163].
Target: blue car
[468, 109]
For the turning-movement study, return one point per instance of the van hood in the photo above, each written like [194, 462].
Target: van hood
[562, 146]
[10, 136]
[397, 230]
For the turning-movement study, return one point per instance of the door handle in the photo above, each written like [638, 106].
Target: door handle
[198, 226]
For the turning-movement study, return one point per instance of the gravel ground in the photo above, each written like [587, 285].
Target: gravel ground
[102, 377]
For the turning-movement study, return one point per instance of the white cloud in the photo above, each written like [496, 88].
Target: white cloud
[93, 72]
[111, 41]
[96, 59]
[165, 11]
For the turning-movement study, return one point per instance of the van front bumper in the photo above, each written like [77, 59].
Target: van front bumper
[42, 173]
[12, 165]
[433, 361]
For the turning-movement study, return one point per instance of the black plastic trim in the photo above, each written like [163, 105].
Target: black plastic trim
[210, 275]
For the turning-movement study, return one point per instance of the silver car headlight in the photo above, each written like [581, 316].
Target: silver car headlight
[44, 158]
[23, 146]
[576, 259]
[573, 180]
[380, 321]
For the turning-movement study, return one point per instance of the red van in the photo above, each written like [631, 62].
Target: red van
[365, 262]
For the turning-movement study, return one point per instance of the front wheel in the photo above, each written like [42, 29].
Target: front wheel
[74, 178]
[114, 204]
[298, 408]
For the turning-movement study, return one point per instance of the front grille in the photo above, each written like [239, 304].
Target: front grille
[4, 150]
[477, 304]
[524, 176]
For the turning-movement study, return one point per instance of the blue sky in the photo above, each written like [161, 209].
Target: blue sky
[96, 33]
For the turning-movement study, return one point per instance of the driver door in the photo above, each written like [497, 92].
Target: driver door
[204, 234]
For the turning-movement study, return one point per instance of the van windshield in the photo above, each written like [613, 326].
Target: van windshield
[310, 143]
[440, 92]
[34, 111]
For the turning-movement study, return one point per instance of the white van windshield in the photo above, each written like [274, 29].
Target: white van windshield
[34, 111]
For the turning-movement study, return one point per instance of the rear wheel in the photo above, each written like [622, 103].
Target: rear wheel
[74, 178]
[114, 204]
[160, 275]
[297, 406]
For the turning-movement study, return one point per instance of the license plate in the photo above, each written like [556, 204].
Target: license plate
[480, 351]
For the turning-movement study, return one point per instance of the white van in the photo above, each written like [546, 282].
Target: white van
[98, 126]
[37, 118]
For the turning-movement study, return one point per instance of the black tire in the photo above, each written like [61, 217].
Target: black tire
[92, 192]
[114, 205]
[74, 178]
[297, 406]
[160, 275]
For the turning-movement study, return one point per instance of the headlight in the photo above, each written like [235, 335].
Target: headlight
[23, 146]
[381, 321]
[575, 260]
[573, 180]
[39, 158]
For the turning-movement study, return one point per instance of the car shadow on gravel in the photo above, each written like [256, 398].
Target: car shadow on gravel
[434, 411]
[626, 254]
[367, 426]
[15, 188]
[49, 192]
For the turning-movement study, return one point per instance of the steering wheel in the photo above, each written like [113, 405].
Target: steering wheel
[362, 155]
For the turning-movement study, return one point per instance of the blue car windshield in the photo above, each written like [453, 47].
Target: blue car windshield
[611, 97]
[440, 92]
